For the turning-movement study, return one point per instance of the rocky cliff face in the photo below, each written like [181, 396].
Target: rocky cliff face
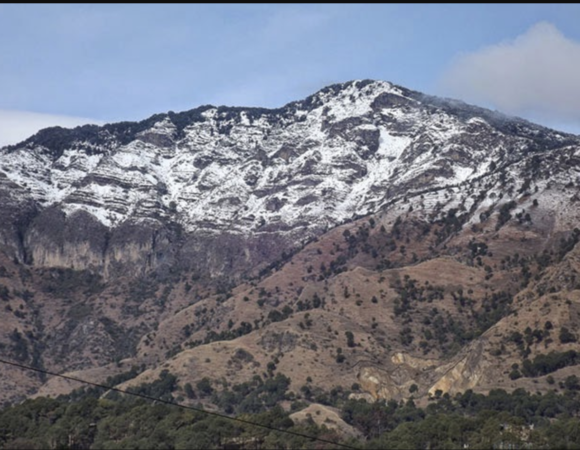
[427, 228]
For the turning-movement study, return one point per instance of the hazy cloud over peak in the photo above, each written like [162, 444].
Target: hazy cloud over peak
[535, 74]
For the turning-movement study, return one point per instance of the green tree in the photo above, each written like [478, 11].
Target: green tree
[188, 388]
[566, 336]
[349, 339]
[572, 383]
[204, 386]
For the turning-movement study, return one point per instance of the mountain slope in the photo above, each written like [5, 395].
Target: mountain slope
[219, 240]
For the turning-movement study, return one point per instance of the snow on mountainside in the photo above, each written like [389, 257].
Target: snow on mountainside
[224, 192]
[345, 151]
[187, 241]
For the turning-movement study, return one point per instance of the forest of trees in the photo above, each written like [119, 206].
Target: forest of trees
[91, 418]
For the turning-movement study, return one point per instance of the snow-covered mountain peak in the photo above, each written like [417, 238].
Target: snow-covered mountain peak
[345, 151]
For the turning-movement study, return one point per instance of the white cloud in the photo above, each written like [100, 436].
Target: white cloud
[535, 75]
[15, 126]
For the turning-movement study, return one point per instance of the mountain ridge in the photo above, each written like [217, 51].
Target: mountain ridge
[276, 232]
[250, 163]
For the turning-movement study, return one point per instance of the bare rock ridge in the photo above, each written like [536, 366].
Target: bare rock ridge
[368, 235]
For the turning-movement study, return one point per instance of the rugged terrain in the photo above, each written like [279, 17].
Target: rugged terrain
[368, 237]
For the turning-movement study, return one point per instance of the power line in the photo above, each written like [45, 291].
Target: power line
[167, 402]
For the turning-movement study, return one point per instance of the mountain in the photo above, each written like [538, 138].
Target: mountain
[368, 237]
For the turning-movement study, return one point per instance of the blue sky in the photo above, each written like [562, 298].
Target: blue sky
[69, 64]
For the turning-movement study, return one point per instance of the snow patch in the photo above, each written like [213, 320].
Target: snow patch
[391, 146]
